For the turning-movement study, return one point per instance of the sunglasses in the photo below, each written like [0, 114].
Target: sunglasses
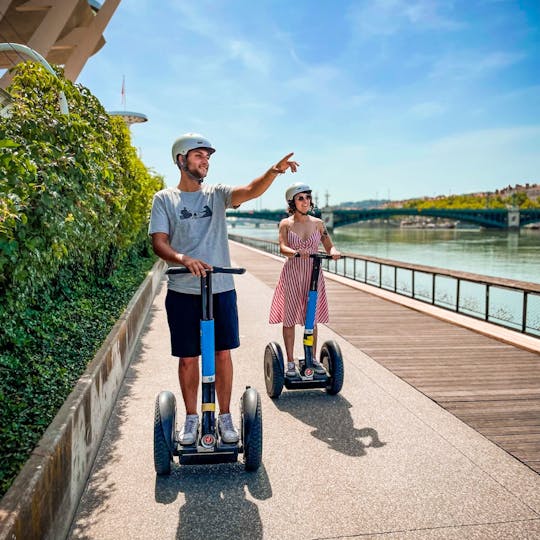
[303, 198]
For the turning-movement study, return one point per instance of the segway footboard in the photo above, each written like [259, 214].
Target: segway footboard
[317, 381]
[198, 455]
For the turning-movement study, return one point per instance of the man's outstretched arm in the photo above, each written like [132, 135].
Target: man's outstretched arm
[258, 186]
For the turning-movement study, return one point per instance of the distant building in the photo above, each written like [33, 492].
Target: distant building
[63, 32]
[532, 190]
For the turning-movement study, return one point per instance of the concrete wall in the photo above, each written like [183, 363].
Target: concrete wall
[43, 498]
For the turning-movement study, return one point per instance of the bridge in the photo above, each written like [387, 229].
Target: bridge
[497, 218]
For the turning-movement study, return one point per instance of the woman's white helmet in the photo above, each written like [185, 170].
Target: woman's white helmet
[295, 189]
[188, 142]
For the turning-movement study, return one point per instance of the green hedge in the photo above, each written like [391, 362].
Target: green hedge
[74, 206]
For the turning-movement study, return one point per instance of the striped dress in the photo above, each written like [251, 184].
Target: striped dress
[290, 296]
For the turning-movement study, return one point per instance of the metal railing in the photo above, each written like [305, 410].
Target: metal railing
[509, 303]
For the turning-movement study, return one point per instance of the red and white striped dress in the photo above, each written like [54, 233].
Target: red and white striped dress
[290, 296]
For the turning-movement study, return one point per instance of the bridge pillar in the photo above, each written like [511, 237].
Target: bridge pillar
[513, 218]
[328, 217]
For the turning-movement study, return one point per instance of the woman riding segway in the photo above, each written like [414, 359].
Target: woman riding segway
[299, 237]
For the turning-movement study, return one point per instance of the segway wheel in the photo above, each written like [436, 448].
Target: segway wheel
[274, 376]
[164, 427]
[332, 360]
[252, 431]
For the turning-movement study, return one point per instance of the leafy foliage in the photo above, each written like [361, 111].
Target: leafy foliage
[519, 199]
[74, 205]
[63, 336]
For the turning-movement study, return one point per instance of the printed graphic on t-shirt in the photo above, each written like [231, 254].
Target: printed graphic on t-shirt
[192, 214]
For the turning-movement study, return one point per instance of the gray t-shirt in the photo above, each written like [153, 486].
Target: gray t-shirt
[196, 225]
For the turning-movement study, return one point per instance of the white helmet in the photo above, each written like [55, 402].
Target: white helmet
[295, 189]
[188, 142]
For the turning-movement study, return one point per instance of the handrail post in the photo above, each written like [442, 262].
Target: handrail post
[486, 317]
[524, 315]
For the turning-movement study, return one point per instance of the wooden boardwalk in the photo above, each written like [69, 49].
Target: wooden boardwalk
[490, 385]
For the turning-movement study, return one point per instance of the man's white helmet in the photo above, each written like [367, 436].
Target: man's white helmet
[188, 142]
[295, 189]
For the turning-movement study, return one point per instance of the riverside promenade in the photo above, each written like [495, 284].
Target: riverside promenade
[379, 460]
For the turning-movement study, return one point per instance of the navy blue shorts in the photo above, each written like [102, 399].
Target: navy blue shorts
[184, 312]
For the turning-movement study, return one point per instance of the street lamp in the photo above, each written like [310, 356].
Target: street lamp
[34, 55]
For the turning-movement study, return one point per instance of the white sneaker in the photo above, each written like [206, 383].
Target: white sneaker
[318, 368]
[226, 429]
[291, 370]
[188, 433]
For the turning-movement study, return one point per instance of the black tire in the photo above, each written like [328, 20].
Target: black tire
[332, 360]
[164, 428]
[274, 376]
[252, 430]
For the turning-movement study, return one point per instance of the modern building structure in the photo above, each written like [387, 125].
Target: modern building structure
[130, 117]
[65, 32]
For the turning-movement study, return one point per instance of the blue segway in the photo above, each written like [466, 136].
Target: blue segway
[208, 446]
[305, 377]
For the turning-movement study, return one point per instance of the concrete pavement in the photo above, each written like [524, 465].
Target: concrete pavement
[378, 460]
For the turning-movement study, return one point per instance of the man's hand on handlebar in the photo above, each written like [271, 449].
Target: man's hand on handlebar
[196, 266]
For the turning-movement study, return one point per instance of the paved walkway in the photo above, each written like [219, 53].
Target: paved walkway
[378, 460]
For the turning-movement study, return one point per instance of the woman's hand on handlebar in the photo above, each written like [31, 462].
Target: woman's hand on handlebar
[195, 266]
[335, 253]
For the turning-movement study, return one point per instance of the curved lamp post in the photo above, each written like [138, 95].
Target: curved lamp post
[23, 49]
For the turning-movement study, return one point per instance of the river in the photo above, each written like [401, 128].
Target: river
[512, 255]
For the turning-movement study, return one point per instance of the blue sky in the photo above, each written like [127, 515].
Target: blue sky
[378, 99]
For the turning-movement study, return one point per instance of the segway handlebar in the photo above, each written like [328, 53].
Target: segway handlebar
[316, 255]
[215, 270]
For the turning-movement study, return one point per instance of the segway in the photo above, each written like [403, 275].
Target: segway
[305, 377]
[208, 446]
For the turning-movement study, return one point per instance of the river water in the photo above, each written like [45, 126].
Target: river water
[512, 255]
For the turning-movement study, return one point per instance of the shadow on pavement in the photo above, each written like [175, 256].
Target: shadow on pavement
[332, 420]
[216, 505]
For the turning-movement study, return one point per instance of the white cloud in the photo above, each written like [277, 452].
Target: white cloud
[253, 58]
[386, 17]
[313, 79]
[427, 109]
[471, 65]
[486, 140]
